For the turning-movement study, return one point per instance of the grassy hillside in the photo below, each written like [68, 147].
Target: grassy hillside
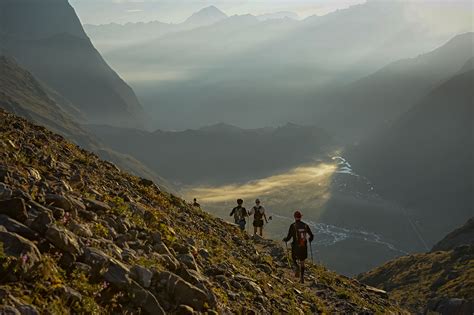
[416, 279]
[80, 236]
[430, 281]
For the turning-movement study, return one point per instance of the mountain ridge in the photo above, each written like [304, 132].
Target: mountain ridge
[434, 133]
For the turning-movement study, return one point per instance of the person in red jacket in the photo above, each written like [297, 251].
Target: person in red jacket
[299, 232]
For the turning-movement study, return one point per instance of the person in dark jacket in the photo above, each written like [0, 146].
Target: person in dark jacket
[299, 232]
[240, 213]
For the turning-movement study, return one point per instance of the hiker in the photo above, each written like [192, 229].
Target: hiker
[195, 204]
[239, 214]
[258, 212]
[299, 231]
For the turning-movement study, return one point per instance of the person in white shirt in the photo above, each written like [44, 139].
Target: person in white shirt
[258, 212]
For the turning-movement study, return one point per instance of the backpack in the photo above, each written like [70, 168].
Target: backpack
[301, 234]
[258, 215]
[240, 213]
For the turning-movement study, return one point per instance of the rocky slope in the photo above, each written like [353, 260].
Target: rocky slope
[78, 235]
[21, 93]
[441, 280]
[46, 37]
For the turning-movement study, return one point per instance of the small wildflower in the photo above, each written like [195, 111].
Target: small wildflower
[24, 259]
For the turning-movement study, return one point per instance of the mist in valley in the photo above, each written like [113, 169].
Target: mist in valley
[358, 113]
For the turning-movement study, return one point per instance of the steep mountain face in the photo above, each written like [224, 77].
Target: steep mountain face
[461, 236]
[375, 102]
[22, 94]
[219, 153]
[439, 281]
[79, 236]
[54, 47]
[424, 161]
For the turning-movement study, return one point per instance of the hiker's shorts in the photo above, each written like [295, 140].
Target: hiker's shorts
[242, 224]
[299, 252]
[258, 223]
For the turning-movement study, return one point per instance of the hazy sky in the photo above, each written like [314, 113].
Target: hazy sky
[122, 11]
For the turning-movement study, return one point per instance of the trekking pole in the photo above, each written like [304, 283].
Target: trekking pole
[311, 250]
[287, 255]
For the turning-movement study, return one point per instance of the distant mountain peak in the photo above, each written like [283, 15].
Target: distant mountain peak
[206, 16]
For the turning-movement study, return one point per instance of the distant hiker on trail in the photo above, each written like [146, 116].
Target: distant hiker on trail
[258, 212]
[240, 213]
[299, 231]
[195, 204]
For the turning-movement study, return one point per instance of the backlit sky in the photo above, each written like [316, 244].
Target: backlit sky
[175, 11]
[438, 15]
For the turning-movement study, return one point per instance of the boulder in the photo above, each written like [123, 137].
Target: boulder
[14, 208]
[63, 240]
[253, 287]
[19, 247]
[80, 229]
[183, 292]
[95, 205]
[204, 253]
[5, 191]
[189, 261]
[141, 275]
[87, 215]
[169, 262]
[42, 222]
[117, 274]
[9, 310]
[145, 299]
[59, 201]
[77, 204]
[27, 310]
[162, 249]
[17, 227]
[95, 258]
[265, 268]
[184, 310]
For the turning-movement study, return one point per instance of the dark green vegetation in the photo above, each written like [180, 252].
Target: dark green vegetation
[79, 235]
[432, 280]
